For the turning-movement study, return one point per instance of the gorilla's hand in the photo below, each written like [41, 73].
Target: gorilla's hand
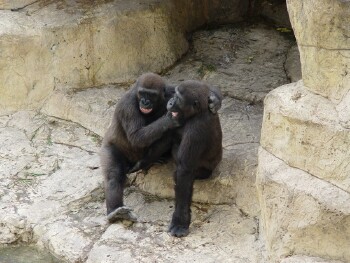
[140, 165]
[176, 121]
[214, 102]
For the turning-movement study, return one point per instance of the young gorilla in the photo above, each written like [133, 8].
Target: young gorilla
[138, 122]
[197, 147]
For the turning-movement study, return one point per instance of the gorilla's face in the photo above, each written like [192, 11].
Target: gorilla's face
[148, 99]
[183, 105]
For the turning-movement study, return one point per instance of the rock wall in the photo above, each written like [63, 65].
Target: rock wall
[49, 45]
[303, 174]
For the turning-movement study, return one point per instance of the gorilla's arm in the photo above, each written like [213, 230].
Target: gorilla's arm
[156, 153]
[141, 135]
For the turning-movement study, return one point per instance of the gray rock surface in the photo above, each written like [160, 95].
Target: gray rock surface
[15, 4]
[300, 213]
[322, 31]
[245, 61]
[292, 64]
[52, 196]
[303, 173]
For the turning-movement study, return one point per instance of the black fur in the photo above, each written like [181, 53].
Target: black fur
[132, 132]
[197, 147]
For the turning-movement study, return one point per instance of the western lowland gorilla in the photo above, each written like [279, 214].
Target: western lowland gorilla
[140, 127]
[197, 147]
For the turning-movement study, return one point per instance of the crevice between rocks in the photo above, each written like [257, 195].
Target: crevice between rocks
[22, 7]
[325, 48]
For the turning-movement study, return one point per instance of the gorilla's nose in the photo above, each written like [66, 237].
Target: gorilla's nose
[145, 102]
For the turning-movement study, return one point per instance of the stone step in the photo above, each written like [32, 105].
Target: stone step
[234, 179]
[51, 195]
[301, 214]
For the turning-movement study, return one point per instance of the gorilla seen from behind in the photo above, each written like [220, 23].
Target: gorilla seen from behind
[197, 147]
[140, 127]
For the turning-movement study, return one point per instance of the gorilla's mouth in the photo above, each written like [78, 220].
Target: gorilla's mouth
[145, 111]
[174, 114]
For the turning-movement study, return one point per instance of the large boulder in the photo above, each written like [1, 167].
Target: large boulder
[322, 32]
[82, 45]
[303, 173]
[304, 130]
[301, 214]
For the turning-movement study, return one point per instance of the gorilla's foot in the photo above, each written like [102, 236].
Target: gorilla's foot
[178, 230]
[121, 213]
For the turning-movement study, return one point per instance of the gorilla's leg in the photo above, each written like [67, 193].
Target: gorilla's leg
[181, 219]
[114, 168]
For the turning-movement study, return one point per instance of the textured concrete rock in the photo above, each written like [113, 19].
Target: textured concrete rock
[54, 200]
[15, 4]
[305, 259]
[50, 178]
[303, 172]
[213, 233]
[322, 33]
[82, 44]
[301, 214]
[91, 108]
[13, 228]
[246, 62]
[304, 130]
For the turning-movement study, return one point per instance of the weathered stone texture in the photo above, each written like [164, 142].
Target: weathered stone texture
[304, 130]
[303, 172]
[91, 108]
[301, 214]
[15, 4]
[246, 62]
[322, 31]
[54, 200]
[81, 46]
[306, 259]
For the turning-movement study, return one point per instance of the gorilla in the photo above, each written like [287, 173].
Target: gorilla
[197, 147]
[140, 127]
